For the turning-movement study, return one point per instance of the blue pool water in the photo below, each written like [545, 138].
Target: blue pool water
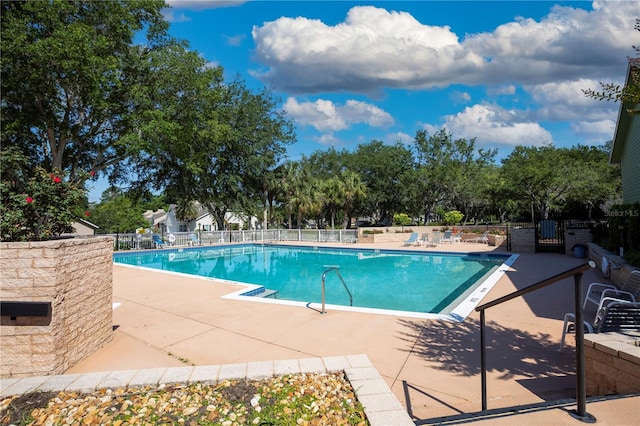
[422, 282]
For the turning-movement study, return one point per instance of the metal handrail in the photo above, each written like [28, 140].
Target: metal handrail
[324, 275]
[581, 394]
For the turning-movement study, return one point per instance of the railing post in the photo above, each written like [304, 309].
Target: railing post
[483, 362]
[581, 387]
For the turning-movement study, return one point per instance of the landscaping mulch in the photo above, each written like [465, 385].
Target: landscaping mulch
[297, 399]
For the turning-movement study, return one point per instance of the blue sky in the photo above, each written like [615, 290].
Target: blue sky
[347, 72]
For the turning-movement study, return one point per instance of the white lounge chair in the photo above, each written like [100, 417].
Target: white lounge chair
[413, 239]
[482, 239]
[447, 237]
[596, 292]
[616, 316]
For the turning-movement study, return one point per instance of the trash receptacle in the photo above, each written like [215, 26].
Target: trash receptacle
[579, 251]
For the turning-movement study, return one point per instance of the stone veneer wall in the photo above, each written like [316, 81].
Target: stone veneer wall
[612, 364]
[619, 270]
[576, 236]
[523, 240]
[76, 276]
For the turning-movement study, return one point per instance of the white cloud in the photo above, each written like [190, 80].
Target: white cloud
[326, 116]
[566, 101]
[595, 132]
[328, 139]
[460, 97]
[401, 137]
[508, 89]
[492, 125]
[171, 16]
[375, 48]
[235, 40]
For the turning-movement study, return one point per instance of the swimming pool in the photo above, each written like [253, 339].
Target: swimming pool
[395, 282]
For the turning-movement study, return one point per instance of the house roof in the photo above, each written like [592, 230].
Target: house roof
[88, 224]
[622, 126]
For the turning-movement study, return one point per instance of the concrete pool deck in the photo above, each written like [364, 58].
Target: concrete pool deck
[432, 367]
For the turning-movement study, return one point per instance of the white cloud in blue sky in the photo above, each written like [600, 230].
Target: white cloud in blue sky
[506, 73]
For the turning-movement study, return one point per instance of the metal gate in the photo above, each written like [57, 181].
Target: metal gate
[549, 236]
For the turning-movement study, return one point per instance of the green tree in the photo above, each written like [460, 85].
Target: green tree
[401, 219]
[549, 178]
[118, 213]
[540, 176]
[384, 170]
[447, 169]
[70, 74]
[354, 192]
[452, 217]
[333, 196]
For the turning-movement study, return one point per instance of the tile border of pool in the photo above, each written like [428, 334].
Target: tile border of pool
[458, 314]
[380, 405]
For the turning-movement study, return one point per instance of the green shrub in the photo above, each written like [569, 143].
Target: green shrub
[35, 204]
[452, 217]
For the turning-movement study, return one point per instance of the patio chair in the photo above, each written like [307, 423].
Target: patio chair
[617, 316]
[413, 239]
[596, 292]
[193, 240]
[157, 241]
[457, 237]
[482, 239]
[436, 238]
[447, 237]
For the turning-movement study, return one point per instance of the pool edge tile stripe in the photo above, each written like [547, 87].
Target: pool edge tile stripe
[380, 405]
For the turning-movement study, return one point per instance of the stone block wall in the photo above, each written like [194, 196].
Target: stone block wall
[76, 276]
[523, 240]
[576, 236]
[612, 364]
[618, 271]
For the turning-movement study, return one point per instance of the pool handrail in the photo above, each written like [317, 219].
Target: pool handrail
[324, 275]
[581, 395]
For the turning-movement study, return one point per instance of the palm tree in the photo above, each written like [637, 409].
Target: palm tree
[186, 211]
[272, 191]
[354, 191]
[304, 197]
[333, 197]
[289, 177]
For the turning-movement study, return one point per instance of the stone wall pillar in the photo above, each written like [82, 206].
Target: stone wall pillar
[523, 240]
[76, 276]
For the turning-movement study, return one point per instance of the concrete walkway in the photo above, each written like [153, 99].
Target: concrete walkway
[432, 367]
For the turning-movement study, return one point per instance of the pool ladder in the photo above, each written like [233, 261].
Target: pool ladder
[324, 275]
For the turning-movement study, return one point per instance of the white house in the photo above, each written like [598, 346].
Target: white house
[169, 223]
[84, 227]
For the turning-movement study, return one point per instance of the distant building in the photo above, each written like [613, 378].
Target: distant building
[625, 150]
[84, 227]
[168, 223]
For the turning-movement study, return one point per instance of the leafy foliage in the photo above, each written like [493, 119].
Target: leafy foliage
[35, 204]
[401, 219]
[452, 217]
[69, 79]
[118, 214]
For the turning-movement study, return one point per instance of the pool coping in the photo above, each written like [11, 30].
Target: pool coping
[458, 314]
[381, 407]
